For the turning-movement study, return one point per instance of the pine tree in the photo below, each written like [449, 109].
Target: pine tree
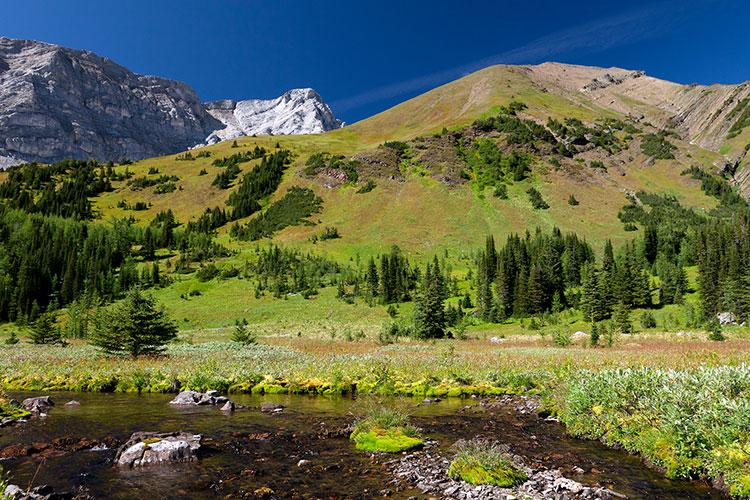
[134, 326]
[242, 334]
[714, 331]
[429, 309]
[594, 338]
[650, 243]
[12, 339]
[621, 318]
[45, 331]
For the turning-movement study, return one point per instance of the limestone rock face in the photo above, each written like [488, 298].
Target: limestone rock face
[298, 111]
[58, 103]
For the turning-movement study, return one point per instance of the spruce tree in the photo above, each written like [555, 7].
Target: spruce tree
[242, 334]
[135, 326]
[45, 331]
[429, 309]
[621, 318]
[12, 339]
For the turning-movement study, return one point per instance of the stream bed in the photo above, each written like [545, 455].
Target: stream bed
[247, 452]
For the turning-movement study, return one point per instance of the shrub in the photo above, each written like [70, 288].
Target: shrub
[329, 233]
[714, 331]
[12, 338]
[572, 201]
[536, 199]
[647, 320]
[367, 187]
[479, 462]
[562, 337]
[292, 209]
[657, 146]
[207, 272]
[501, 191]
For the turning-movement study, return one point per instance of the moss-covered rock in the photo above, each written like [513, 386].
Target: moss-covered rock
[386, 440]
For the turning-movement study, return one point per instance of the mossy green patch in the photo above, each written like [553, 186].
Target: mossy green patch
[385, 440]
[498, 472]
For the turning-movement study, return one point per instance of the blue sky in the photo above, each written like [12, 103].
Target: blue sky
[364, 57]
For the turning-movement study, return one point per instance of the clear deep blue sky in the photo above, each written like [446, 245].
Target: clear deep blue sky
[363, 57]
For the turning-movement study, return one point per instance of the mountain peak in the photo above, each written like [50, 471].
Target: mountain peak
[58, 103]
[296, 111]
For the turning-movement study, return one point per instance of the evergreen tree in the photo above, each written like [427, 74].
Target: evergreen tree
[594, 338]
[714, 331]
[650, 243]
[429, 309]
[242, 334]
[621, 318]
[12, 339]
[134, 326]
[45, 331]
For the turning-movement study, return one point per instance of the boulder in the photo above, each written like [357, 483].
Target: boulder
[726, 318]
[228, 406]
[192, 398]
[38, 405]
[44, 492]
[149, 448]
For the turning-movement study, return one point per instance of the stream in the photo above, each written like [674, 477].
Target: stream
[247, 450]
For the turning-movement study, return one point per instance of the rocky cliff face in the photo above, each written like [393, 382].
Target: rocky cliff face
[60, 103]
[298, 111]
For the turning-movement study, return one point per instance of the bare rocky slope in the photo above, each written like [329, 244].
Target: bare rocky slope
[298, 111]
[58, 103]
[704, 115]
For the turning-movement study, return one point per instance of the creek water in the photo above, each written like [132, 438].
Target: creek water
[247, 449]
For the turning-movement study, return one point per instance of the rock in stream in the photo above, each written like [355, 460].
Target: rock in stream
[148, 448]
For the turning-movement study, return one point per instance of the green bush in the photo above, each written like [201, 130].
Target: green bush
[647, 320]
[657, 146]
[536, 199]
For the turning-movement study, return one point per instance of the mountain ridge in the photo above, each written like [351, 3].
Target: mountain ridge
[58, 103]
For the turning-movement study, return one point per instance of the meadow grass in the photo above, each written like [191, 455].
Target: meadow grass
[681, 402]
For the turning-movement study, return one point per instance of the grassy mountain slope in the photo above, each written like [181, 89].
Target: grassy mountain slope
[413, 204]
[420, 213]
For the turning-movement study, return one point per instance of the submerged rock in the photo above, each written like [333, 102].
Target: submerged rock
[44, 492]
[38, 405]
[194, 398]
[271, 408]
[148, 448]
[73, 403]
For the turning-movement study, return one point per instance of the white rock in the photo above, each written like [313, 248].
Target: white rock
[298, 111]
